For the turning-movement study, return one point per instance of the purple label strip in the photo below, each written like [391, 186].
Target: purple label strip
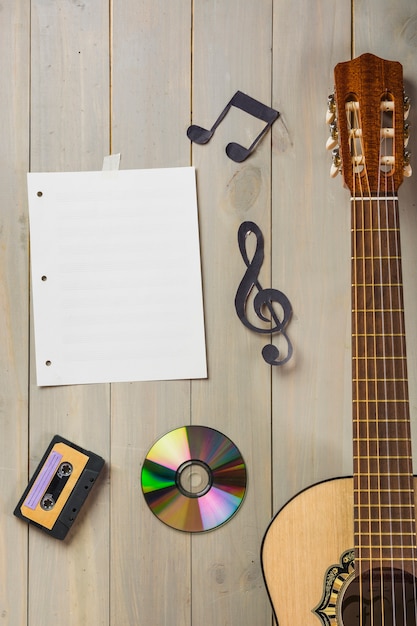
[43, 480]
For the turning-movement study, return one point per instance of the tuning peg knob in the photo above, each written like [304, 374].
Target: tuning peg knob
[406, 134]
[334, 170]
[407, 171]
[331, 109]
[331, 143]
[330, 116]
[336, 163]
[407, 105]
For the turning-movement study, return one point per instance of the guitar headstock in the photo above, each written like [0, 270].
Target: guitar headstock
[368, 132]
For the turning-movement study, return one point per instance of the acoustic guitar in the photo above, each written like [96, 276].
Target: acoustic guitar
[344, 552]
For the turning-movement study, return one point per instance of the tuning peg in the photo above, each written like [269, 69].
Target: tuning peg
[336, 163]
[406, 134]
[334, 170]
[407, 171]
[330, 116]
[331, 143]
[407, 105]
[331, 109]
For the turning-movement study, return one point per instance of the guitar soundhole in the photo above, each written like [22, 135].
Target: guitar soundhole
[386, 597]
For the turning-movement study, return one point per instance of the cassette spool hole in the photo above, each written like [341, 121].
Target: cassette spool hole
[47, 502]
[194, 478]
[64, 470]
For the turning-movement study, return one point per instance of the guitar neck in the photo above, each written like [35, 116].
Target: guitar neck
[383, 486]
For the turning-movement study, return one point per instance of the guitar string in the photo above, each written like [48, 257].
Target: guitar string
[403, 396]
[359, 230]
[403, 376]
[381, 412]
[386, 307]
[406, 527]
[410, 530]
[355, 235]
[355, 313]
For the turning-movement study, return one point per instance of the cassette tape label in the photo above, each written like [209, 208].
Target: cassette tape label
[43, 480]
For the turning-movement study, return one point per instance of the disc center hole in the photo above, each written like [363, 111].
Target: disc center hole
[194, 478]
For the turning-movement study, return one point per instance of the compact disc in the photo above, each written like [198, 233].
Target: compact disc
[194, 478]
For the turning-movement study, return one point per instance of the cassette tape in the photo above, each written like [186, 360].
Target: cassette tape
[59, 487]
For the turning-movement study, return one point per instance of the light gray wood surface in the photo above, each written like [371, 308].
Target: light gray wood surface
[82, 79]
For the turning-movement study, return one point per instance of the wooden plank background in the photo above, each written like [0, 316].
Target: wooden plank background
[82, 79]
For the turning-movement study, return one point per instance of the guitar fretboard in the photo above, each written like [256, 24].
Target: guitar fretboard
[383, 477]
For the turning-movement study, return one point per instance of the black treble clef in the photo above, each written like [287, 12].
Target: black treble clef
[264, 299]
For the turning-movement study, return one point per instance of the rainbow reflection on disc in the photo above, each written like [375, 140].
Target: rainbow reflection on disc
[194, 478]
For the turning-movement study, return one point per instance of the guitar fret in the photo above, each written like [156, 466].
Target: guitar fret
[378, 456]
[381, 533]
[381, 439]
[389, 520]
[399, 534]
[367, 490]
[379, 358]
[390, 547]
[381, 380]
[382, 505]
[377, 421]
[374, 230]
[388, 474]
[376, 285]
[403, 558]
[383, 401]
[385, 199]
[378, 335]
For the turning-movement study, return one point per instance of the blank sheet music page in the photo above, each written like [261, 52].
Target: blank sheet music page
[116, 276]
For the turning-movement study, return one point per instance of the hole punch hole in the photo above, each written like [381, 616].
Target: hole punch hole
[48, 363]
[44, 278]
[39, 194]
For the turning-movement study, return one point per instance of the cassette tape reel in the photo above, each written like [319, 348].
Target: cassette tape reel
[59, 487]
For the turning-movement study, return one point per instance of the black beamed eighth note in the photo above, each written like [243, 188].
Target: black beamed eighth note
[263, 302]
[240, 100]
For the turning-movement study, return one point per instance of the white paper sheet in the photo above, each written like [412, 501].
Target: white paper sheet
[116, 276]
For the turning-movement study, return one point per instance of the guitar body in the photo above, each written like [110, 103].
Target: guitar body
[307, 537]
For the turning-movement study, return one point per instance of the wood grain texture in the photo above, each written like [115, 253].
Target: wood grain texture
[291, 552]
[151, 574]
[70, 132]
[235, 399]
[129, 76]
[311, 397]
[14, 304]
